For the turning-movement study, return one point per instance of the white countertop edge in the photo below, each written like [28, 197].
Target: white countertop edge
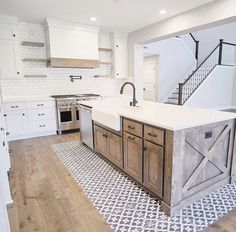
[177, 128]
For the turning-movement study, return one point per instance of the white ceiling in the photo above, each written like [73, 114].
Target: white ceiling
[123, 15]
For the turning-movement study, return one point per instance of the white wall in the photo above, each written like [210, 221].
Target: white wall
[209, 39]
[212, 14]
[175, 63]
[216, 91]
[58, 81]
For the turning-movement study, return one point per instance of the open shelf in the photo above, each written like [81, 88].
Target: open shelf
[97, 76]
[35, 76]
[32, 44]
[105, 49]
[105, 62]
[34, 60]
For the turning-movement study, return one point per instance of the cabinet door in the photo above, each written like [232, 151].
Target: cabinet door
[8, 31]
[9, 59]
[153, 167]
[115, 150]
[133, 156]
[16, 124]
[101, 141]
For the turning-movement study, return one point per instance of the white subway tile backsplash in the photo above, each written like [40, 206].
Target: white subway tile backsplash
[57, 81]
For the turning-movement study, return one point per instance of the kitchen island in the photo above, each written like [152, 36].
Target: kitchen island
[179, 154]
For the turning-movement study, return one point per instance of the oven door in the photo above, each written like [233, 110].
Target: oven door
[65, 118]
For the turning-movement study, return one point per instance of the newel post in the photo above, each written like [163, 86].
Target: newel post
[220, 51]
[180, 94]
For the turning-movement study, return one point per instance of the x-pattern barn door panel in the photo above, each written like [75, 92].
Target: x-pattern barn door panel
[207, 157]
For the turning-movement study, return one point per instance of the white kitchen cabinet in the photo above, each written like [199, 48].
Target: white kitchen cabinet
[4, 165]
[119, 44]
[29, 119]
[8, 31]
[16, 124]
[9, 59]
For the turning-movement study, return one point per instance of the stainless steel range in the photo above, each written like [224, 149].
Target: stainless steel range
[68, 110]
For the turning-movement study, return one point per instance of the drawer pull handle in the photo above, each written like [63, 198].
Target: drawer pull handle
[42, 125]
[40, 114]
[39, 104]
[152, 135]
[104, 135]
[131, 138]
[131, 127]
[14, 106]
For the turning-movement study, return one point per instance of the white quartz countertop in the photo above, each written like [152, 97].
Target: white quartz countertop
[166, 116]
[27, 98]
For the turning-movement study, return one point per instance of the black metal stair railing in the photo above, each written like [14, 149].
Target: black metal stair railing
[188, 87]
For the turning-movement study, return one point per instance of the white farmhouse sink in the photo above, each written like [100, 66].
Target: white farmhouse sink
[107, 117]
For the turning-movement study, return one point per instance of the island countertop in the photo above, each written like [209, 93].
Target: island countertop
[171, 117]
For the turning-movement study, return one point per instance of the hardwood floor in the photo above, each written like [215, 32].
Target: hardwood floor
[46, 198]
[225, 224]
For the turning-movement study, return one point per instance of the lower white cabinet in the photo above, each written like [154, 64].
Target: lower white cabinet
[5, 194]
[16, 124]
[30, 119]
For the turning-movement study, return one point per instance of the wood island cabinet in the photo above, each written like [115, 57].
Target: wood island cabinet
[133, 151]
[178, 167]
[109, 145]
[153, 167]
[115, 149]
[101, 141]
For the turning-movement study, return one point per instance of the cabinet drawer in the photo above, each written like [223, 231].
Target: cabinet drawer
[154, 135]
[40, 114]
[133, 127]
[14, 106]
[41, 126]
[40, 104]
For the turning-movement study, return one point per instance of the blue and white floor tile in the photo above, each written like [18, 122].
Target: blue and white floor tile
[126, 206]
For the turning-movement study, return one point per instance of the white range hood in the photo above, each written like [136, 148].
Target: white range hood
[71, 45]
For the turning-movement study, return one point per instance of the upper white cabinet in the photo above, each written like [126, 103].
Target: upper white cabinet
[71, 45]
[9, 51]
[119, 44]
[8, 31]
[9, 59]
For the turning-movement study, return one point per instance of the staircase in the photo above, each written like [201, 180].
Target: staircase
[189, 85]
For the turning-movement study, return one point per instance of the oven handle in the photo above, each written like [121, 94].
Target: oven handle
[65, 108]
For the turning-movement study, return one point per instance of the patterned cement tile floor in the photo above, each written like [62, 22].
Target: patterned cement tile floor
[126, 206]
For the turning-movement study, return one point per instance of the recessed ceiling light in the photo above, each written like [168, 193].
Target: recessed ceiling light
[93, 19]
[162, 11]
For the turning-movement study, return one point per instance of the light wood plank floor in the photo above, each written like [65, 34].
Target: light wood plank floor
[46, 198]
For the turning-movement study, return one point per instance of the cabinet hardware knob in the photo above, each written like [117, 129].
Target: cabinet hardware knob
[14, 35]
[117, 45]
[3, 143]
[131, 127]
[5, 115]
[23, 114]
[18, 73]
[40, 114]
[39, 104]
[152, 135]
[131, 138]
[14, 106]
[7, 133]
